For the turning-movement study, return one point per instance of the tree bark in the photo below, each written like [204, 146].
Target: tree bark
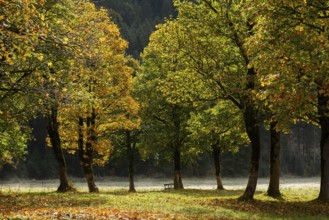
[252, 127]
[216, 152]
[87, 168]
[274, 185]
[323, 110]
[131, 150]
[86, 153]
[53, 132]
[251, 121]
[178, 184]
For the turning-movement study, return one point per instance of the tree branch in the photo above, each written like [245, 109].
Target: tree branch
[160, 119]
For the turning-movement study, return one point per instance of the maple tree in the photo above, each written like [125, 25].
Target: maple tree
[132, 134]
[217, 129]
[57, 73]
[163, 131]
[98, 100]
[164, 115]
[294, 44]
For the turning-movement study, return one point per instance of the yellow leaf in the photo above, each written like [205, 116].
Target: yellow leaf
[65, 40]
[40, 57]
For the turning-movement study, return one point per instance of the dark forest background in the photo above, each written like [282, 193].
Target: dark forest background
[137, 20]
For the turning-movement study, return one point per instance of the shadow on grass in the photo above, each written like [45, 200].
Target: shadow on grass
[119, 193]
[276, 208]
[197, 193]
[268, 206]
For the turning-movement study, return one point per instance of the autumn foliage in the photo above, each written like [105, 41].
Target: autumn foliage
[208, 80]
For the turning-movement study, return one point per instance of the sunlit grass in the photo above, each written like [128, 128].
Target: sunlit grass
[296, 203]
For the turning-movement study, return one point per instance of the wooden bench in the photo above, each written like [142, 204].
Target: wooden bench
[168, 185]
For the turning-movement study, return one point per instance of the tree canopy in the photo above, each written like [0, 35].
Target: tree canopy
[211, 76]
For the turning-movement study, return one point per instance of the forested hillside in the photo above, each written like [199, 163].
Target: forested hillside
[137, 19]
[300, 151]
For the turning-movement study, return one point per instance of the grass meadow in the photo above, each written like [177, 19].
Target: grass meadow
[37, 200]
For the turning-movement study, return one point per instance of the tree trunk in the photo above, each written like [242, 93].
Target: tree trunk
[86, 154]
[53, 132]
[252, 127]
[130, 151]
[216, 152]
[178, 184]
[323, 110]
[274, 185]
[87, 168]
[251, 121]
